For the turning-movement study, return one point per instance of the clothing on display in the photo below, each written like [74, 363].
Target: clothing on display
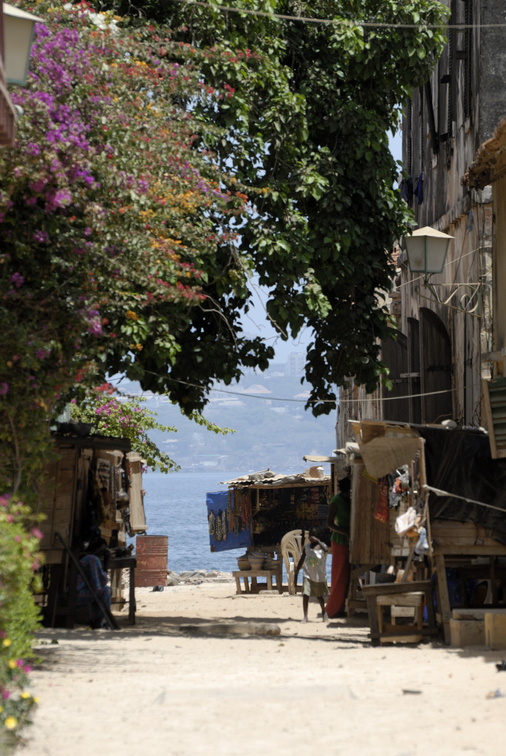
[228, 521]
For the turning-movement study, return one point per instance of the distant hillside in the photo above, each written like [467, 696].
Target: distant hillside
[266, 411]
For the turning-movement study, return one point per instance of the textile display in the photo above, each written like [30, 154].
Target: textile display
[135, 515]
[283, 509]
[381, 511]
[229, 520]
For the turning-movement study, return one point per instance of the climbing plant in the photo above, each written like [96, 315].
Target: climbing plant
[109, 238]
[106, 245]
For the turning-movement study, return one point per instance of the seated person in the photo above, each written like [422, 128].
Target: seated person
[97, 577]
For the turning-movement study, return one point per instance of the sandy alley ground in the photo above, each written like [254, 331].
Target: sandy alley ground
[156, 689]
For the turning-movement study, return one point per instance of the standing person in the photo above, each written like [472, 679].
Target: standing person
[339, 524]
[314, 562]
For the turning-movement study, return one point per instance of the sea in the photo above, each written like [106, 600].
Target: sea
[175, 506]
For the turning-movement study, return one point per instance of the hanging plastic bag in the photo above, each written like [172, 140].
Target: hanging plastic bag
[422, 545]
[406, 522]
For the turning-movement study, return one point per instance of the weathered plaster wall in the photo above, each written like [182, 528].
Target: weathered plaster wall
[492, 67]
[468, 98]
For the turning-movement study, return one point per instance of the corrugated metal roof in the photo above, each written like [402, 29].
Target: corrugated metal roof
[268, 478]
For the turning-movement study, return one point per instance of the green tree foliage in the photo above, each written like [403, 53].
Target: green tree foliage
[157, 166]
[306, 115]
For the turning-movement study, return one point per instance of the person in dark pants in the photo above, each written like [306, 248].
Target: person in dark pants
[339, 525]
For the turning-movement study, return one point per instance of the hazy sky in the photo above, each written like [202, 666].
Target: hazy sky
[396, 145]
[255, 322]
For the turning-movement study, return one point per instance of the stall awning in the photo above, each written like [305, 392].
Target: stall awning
[385, 448]
[106, 443]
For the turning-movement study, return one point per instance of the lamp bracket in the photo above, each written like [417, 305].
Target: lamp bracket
[463, 297]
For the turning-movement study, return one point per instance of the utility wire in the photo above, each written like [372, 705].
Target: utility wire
[305, 401]
[326, 401]
[339, 22]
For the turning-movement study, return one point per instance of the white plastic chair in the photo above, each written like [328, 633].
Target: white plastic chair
[291, 550]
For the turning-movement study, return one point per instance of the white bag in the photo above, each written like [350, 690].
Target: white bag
[406, 521]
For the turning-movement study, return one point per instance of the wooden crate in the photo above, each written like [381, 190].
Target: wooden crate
[495, 630]
[467, 632]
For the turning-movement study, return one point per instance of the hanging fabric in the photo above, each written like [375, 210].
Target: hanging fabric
[381, 512]
[222, 537]
[419, 189]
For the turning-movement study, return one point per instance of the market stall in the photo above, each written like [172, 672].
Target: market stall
[259, 508]
[92, 488]
[445, 521]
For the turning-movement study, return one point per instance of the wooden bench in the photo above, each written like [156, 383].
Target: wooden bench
[252, 575]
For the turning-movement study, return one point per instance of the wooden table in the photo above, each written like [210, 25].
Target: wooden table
[408, 594]
[458, 544]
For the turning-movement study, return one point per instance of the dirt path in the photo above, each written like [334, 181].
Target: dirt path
[153, 689]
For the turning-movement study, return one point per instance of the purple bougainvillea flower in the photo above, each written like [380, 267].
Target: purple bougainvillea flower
[17, 279]
[41, 236]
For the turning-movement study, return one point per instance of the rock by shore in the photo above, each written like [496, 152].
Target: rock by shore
[194, 577]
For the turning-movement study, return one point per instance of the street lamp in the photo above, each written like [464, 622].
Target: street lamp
[18, 36]
[426, 250]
